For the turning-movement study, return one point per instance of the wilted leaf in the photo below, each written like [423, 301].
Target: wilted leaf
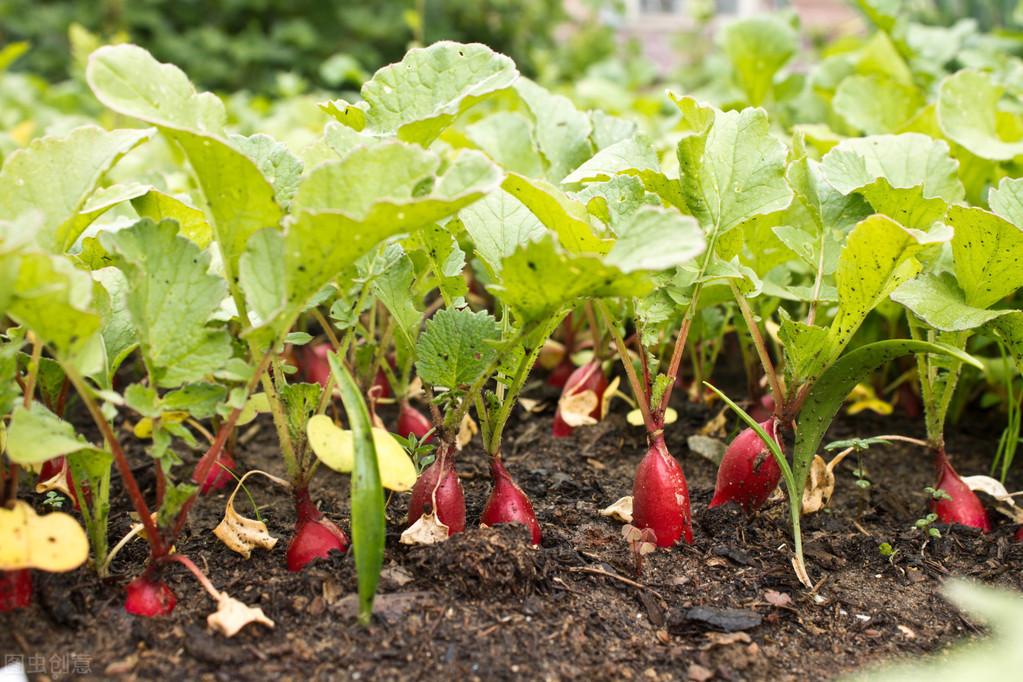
[427, 530]
[243, 534]
[620, 510]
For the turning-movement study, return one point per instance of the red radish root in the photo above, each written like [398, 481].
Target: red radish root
[507, 503]
[660, 496]
[764, 409]
[964, 507]
[218, 477]
[748, 472]
[312, 360]
[412, 421]
[560, 374]
[589, 377]
[15, 589]
[315, 535]
[438, 490]
[149, 598]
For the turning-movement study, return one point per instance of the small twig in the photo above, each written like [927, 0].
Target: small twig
[615, 576]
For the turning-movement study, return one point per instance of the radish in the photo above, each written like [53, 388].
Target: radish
[507, 503]
[964, 507]
[764, 408]
[149, 598]
[315, 535]
[312, 360]
[380, 383]
[412, 421]
[218, 477]
[581, 400]
[1018, 537]
[748, 472]
[560, 374]
[660, 496]
[15, 589]
[438, 490]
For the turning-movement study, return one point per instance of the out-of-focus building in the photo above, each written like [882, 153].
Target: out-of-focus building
[657, 24]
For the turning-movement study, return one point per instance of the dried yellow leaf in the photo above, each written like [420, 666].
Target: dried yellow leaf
[335, 447]
[427, 530]
[54, 542]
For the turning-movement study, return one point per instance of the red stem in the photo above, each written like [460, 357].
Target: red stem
[197, 572]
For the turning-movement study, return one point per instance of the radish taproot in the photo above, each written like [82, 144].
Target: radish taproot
[15, 589]
[149, 597]
[315, 535]
[413, 422]
[660, 496]
[959, 504]
[748, 472]
[582, 400]
[219, 475]
[438, 491]
[507, 502]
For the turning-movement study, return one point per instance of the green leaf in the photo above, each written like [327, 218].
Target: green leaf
[615, 200]
[54, 300]
[969, 115]
[158, 206]
[498, 224]
[562, 132]
[634, 154]
[300, 402]
[420, 96]
[655, 239]
[446, 260]
[200, 400]
[341, 227]
[904, 161]
[57, 175]
[171, 299]
[878, 256]
[393, 288]
[829, 208]
[36, 435]
[456, 347]
[567, 278]
[732, 167]
[238, 199]
[987, 251]
[805, 347]
[369, 517]
[876, 104]
[261, 276]
[175, 495]
[939, 302]
[507, 138]
[1006, 200]
[758, 48]
[563, 215]
[118, 330]
[9, 389]
[831, 389]
[275, 162]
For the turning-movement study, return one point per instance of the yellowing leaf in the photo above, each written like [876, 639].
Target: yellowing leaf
[635, 417]
[576, 408]
[242, 534]
[335, 447]
[54, 542]
[232, 615]
[864, 398]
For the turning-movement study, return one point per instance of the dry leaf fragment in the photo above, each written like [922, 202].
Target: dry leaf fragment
[1004, 501]
[725, 639]
[56, 482]
[577, 407]
[532, 406]
[711, 449]
[609, 394]
[819, 487]
[466, 430]
[232, 615]
[716, 427]
[242, 534]
[776, 598]
[620, 510]
[427, 530]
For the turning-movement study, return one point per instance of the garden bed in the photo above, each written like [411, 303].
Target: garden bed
[485, 606]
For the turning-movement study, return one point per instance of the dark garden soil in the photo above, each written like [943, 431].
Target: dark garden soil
[486, 606]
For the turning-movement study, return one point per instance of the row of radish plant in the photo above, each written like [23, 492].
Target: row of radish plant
[166, 280]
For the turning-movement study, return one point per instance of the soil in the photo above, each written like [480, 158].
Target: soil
[485, 606]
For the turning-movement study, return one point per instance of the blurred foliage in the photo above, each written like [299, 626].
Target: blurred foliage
[246, 44]
[989, 14]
